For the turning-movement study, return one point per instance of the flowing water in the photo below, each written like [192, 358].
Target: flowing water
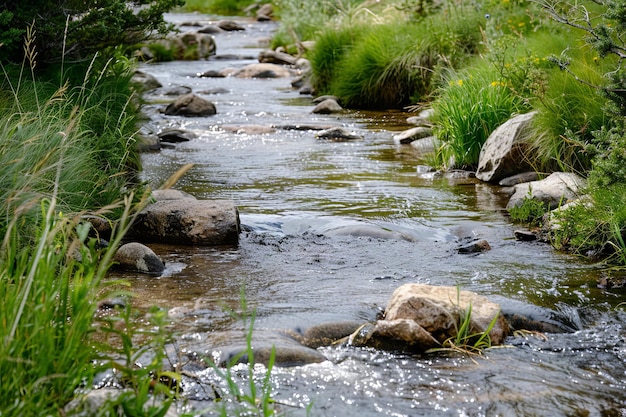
[330, 229]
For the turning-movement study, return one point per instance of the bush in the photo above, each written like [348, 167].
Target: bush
[75, 30]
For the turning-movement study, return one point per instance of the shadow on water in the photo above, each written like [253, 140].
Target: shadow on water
[330, 229]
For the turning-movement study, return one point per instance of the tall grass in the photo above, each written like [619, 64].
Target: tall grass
[470, 107]
[391, 64]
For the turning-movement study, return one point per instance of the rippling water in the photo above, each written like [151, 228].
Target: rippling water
[298, 196]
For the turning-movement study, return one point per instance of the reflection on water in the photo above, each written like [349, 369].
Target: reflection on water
[332, 228]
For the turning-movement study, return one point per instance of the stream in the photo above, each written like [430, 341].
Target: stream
[309, 254]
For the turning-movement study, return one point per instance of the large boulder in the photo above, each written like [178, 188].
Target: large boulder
[502, 155]
[190, 105]
[555, 190]
[419, 317]
[188, 221]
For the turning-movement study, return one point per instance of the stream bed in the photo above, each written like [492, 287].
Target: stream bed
[310, 252]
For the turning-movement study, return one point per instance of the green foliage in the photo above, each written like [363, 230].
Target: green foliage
[530, 212]
[470, 107]
[48, 299]
[392, 64]
[87, 129]
[74, 30]
[221, 7]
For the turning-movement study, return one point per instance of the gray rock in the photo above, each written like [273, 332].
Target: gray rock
[138, 258]
[555, 190]
[425, 145]
[93, 402]
[412, 134]
[519, 178]
[147, 81]
[338, 134]
[188, 222]
[230, 25]
[477, 246]
[273, 57]
[328, 106]
[525, 235]
[171, 194]
[191, 105]
[503, 154]
[171, 91]
[265, 12]
[211, 29]
[319, 99]
[262, 70]
[175, 135]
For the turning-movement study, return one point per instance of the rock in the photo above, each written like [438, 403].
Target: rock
[476, 246]
[148, 143]
[412, 134]
[147, 81]
[326, 334]
[274, 57]
[425, 145]
[138, 258]
[171, 91]
[524, 235]
[211, 29]
[170, 194]
[175, 136]
[555, 190]
[249, 129]
[101, 227]
[328, 106]
[502, 155]
[265, 12]
[191, 105]
[211, 74]
[423, 119]
[188, 222]
[230, 25]
[419, 317]
[318, 100]
[338, 134]
[214, 91]
[262, 70]
[519, 178]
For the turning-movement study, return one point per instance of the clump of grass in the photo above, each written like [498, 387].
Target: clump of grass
[530, 212]
[468, 109]
[221, 7]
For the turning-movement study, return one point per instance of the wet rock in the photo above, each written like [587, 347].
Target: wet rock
[211, 74]
[328, 106]
[136, 257]
[305, 127]
[274, 57]
[147, 81]
[111, 303]
[320, 99]
[230, 26]
[523, 316]
[191, 105]
[211, 30]
[477, 246]
[171, 91]
[148, 143]
[412, 134]
[519, 179]
[326, 334]
[262, 70]
[557, 189]
[212, 91]
[338, 134]
[101, 227]
[525, 235]
[188, 222]
[503, 154]
[175, 136]
[419, 317]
